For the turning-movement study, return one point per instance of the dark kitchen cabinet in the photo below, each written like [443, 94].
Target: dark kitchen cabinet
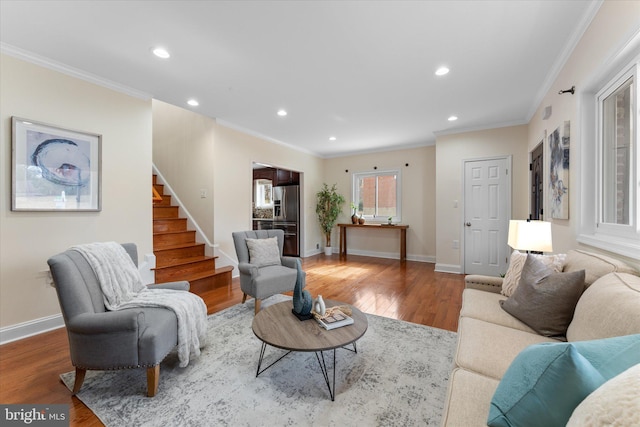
[286, 177]
[264, 173]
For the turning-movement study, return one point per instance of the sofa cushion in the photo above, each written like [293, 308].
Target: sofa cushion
[488, 348]
[615, 403]
[545, 300]
[604, 309]
[264, 252]
[485, 306]
[468, 399]
[516, 263]
[543, 386]
[595, 265]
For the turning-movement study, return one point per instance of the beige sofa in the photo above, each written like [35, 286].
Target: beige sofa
[489, 338]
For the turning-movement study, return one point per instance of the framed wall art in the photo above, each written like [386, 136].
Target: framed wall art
[54, 169]
[559, 150]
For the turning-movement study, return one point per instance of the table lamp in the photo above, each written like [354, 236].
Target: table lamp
[530, 236]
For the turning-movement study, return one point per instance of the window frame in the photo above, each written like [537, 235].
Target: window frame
[375, 173]
[619, 239]
[602, 227]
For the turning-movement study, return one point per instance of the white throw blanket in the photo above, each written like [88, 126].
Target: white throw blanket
[122, 287]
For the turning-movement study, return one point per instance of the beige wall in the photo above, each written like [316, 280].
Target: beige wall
[612, 28]
[183, 152]
[28, 239]
[418, 196]
[451, 151]
[235, 153]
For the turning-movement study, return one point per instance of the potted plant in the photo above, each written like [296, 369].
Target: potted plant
[328, 208]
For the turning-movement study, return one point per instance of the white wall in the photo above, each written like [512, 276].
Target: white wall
[30, 238]
[611, 29]
[183, 152]
[451, 151]
[235, 153]
[418, 207]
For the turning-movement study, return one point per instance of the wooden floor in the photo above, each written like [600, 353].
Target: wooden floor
[411, 291]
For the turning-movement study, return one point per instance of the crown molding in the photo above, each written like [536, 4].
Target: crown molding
[453, 131]
[564, 56]
[50, 64]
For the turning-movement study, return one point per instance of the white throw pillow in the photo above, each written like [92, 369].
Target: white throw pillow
[512, 277]
[263, 252]
[614, 403]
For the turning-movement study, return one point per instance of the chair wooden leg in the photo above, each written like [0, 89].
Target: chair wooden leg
[257, 305]
[153, 378]
[244, 297]
[80, 373]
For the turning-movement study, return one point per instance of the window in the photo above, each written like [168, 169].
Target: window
[615, 140]
[617, 121]
[610, 205]
[377, 195]
[263, 196]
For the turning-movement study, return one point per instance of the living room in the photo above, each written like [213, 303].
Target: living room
[134, 141]
[126, 122]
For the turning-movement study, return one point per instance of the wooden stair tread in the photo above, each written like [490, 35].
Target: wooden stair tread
[184, 261]
[192, 277]
[163, 233]
[159, 248]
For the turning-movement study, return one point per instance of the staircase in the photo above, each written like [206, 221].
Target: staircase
[178, 255]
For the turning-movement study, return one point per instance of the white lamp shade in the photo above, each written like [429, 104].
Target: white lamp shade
[530, 236]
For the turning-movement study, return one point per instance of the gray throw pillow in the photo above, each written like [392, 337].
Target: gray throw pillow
[263, 252]
[545, 300]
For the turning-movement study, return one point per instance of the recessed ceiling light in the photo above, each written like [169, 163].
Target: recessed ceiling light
[282, 113]
[332, 138]
[193, 102]
[161, 52]
[442, 71]
[453, 118]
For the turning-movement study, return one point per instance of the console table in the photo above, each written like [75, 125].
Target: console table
[401, 228]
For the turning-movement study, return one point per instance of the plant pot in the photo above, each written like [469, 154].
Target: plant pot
[360, 221]
[328, 250]
[354, 219]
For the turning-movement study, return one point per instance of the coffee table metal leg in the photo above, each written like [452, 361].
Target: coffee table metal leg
[331, 385]
[325, 372]
[262, 350]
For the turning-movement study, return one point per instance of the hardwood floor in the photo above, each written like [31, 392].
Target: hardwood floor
[411, 291]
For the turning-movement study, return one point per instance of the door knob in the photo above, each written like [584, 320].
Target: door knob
[468, 224]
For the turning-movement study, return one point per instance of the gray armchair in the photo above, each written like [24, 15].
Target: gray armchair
[103, 340]
[262, 282]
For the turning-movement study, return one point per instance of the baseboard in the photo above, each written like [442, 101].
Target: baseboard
[386, 255]
[30, 328]
[224, 260]
[448, 268]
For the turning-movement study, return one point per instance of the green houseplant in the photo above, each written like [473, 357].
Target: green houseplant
[328, 208]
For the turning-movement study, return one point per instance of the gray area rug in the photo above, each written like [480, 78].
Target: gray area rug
[398, 378]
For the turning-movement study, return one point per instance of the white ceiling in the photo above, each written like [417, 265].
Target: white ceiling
[362, 71]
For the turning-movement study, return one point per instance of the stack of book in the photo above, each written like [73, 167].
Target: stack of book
[333, 318]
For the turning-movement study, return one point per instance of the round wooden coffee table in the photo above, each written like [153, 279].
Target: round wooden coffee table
[277, 326]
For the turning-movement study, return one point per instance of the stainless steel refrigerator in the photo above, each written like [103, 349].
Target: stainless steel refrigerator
[286, 216]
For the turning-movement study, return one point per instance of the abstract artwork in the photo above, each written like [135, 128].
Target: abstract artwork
[559, 149]
[54, 169]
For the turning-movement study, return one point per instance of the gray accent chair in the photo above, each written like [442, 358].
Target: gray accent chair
[104, 340]
[263, 282]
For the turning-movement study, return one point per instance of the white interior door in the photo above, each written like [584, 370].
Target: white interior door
[487, 207]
